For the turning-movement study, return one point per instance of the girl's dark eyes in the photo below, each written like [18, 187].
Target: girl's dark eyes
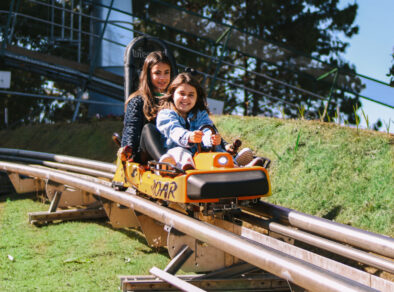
[159, 72]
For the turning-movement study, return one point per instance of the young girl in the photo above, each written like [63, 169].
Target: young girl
[140, 138]
[183, 111]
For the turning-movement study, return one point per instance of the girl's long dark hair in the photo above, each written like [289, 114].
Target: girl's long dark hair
[167, 101]
[145, 88]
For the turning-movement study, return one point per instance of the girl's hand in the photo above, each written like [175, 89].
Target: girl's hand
[195, 137]
[230, 148]
[125, 153]
[216, 139]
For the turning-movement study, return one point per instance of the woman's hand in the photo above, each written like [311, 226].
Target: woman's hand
[195, 137]
[125, 153]
[216, 139]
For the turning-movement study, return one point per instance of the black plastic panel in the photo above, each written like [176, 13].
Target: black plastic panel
[225, 185]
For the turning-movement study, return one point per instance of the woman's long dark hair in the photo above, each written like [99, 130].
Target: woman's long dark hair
[145, 88]
[167, 101]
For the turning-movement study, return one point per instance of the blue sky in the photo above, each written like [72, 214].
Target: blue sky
[371, 51]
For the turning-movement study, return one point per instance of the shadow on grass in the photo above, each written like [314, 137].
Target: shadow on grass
[15, 196]
[129, 232]
[137, 235]
[333, 213]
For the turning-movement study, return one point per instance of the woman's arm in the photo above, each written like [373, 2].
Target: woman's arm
[133, 123]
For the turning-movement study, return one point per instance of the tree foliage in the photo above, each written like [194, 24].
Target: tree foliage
[275, 39]
[305, 29]
[30, 30]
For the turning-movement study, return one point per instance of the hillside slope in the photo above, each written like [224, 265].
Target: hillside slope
[322, 169]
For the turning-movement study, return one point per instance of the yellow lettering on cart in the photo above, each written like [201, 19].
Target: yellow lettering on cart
[164, 190]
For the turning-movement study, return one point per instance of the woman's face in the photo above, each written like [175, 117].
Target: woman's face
[185, 98]
[160, 75]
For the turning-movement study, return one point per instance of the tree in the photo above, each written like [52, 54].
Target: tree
[279, 40]
[301, 29]
[35, 35]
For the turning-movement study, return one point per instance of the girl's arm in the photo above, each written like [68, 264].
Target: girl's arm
[133, 123]
[169, 124]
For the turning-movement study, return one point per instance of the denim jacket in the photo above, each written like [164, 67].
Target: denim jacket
[176, 130]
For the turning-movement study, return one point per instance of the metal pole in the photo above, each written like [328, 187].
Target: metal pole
[62, 166]
[377, 243]
[16, 93]
[63, 21]
[52, 22]
[7, 28]
[226, 34]
[14, 20]
[209, 67]
[72, 20]
[346, 251]
[278, 263]
[79, 31]
[334, 83]
[6, 117]
[103, 166]
[92, 63]
[79, 96]
[174, 281]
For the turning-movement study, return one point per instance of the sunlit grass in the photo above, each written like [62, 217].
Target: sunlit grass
[323, 169]
[69, 256]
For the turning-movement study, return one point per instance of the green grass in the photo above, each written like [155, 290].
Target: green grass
[323, 169]
[88, 140]
[69, 256]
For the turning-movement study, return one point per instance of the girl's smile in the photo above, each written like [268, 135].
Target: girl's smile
[185, 98]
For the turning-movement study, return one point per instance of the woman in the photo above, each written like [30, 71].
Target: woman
[140, 138]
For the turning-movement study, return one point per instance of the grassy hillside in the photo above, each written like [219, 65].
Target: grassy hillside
[88, 140]
[323, 169]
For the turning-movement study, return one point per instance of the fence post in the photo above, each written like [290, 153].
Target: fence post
[226, 34]
[6, 28]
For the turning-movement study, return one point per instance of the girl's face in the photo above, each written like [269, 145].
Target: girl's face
[160, 76]
[185, 98]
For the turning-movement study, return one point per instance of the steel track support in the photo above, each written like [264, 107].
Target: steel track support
[62, 196]
[248, 282]
[176, 263]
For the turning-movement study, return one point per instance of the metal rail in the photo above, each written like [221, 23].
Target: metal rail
[73, 168]
[103, 166]
[322, 243]
[377, 243]
[340, 249]
[278, 263]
